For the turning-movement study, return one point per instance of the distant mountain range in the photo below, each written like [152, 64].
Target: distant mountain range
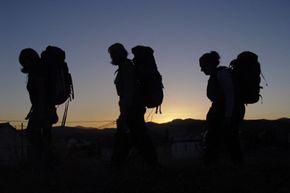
[179, 129]
[178, 124]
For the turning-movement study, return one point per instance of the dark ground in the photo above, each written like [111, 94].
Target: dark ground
[267, 170]
[86, 170]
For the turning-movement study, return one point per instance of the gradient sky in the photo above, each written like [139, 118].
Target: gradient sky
[179, 31]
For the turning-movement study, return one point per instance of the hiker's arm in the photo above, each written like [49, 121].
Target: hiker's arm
[128, 86]
[38, 98]
[227, 86]
[41, 94]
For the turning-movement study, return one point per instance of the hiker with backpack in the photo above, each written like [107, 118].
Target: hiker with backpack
[131, 127]
[49, 84]
[226, 112]
[42, 114]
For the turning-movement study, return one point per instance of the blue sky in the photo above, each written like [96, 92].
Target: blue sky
[179, 31]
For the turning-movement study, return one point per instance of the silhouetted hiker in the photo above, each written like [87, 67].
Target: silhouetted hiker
[131, 127]
[226, 112]
[43, 112]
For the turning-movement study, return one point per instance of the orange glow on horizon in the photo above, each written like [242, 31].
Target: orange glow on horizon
[170, 116]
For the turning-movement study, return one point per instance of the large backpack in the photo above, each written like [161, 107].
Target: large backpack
[149, 76]
[246, 72]
[59, 79]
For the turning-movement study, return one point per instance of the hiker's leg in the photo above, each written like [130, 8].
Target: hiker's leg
[33, 131]
[122, 144]
[232, 143]
[48, 157]
[46, 133]
[33, 134]
[232, 140]
[213, 140]
[142, 140]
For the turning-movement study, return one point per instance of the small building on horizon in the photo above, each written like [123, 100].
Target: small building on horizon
[13, 145]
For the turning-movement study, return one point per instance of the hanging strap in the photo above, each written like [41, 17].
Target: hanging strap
[264, 79]
[65, 114]
[29, 113]
[158, 110]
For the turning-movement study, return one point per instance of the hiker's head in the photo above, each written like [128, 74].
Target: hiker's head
[118, 53]
[209, 61]
[28, 58]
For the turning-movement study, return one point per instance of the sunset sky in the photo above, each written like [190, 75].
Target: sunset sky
[179, 31]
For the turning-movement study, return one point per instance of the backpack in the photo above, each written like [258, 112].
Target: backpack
[60, 86]
[149, 77]
[246, 73]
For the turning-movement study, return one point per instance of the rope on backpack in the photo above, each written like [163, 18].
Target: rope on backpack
[65, 114]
